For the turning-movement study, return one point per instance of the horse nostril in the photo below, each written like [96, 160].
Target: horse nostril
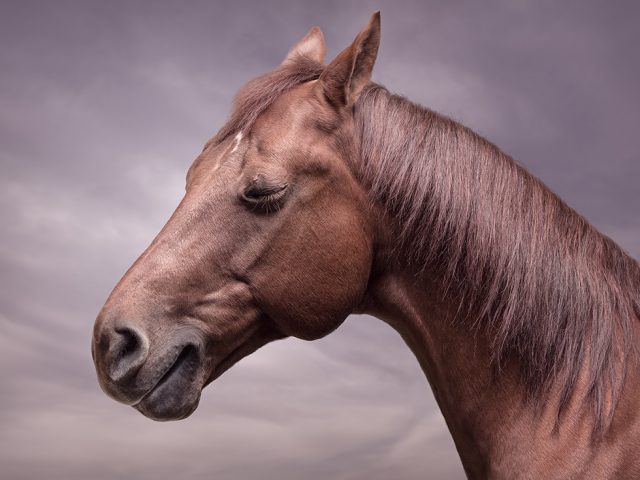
[127, 351]
[131, 342]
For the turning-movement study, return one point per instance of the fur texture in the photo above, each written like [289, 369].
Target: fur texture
[548, 287]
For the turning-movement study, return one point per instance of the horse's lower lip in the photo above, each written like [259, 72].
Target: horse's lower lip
[177, 393]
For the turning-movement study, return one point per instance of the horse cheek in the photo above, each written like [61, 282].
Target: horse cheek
[322, 276]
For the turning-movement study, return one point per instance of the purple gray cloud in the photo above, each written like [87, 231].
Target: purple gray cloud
[105, 104]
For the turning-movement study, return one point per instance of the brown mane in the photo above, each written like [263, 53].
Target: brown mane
[546, 283]
[549, 288]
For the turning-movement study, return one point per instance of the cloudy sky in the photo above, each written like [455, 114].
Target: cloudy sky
[103, 105]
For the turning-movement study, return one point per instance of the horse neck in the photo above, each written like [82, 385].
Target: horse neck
[497, 432]
[456, 364]
[494, 426]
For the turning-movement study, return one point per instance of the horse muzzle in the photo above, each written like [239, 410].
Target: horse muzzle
[162, 378]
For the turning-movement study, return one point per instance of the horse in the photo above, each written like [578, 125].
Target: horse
[324, 195]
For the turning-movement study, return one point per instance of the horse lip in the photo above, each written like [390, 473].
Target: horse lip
[183, 355]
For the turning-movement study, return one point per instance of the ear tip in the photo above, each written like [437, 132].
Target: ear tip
[374, 23]
[312, 46]
[316, 31]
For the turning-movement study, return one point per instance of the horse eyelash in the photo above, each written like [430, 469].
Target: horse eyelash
[265, 203]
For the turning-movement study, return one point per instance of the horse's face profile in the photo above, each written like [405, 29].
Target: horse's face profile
[272, 239]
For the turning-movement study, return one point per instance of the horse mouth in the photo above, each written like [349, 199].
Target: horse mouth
[177, 393]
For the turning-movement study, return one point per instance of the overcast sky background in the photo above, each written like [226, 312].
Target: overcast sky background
[103, 105]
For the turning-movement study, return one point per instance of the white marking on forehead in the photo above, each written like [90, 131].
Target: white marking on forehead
[238, 139]
[223, 155]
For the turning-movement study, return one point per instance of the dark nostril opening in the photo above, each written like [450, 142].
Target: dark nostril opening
[127, 352]
[130, 342]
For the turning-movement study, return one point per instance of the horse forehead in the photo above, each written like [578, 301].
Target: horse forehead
[237, 139]
[294, 108]
[283, 131]
[227, 152]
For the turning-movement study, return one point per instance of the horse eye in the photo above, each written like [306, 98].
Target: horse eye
[262, 194]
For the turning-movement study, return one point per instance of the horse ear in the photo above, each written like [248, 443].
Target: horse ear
[311, 46]
[346, 76]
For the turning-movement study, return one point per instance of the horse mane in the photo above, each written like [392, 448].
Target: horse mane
[546, 285]
[548, 288]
